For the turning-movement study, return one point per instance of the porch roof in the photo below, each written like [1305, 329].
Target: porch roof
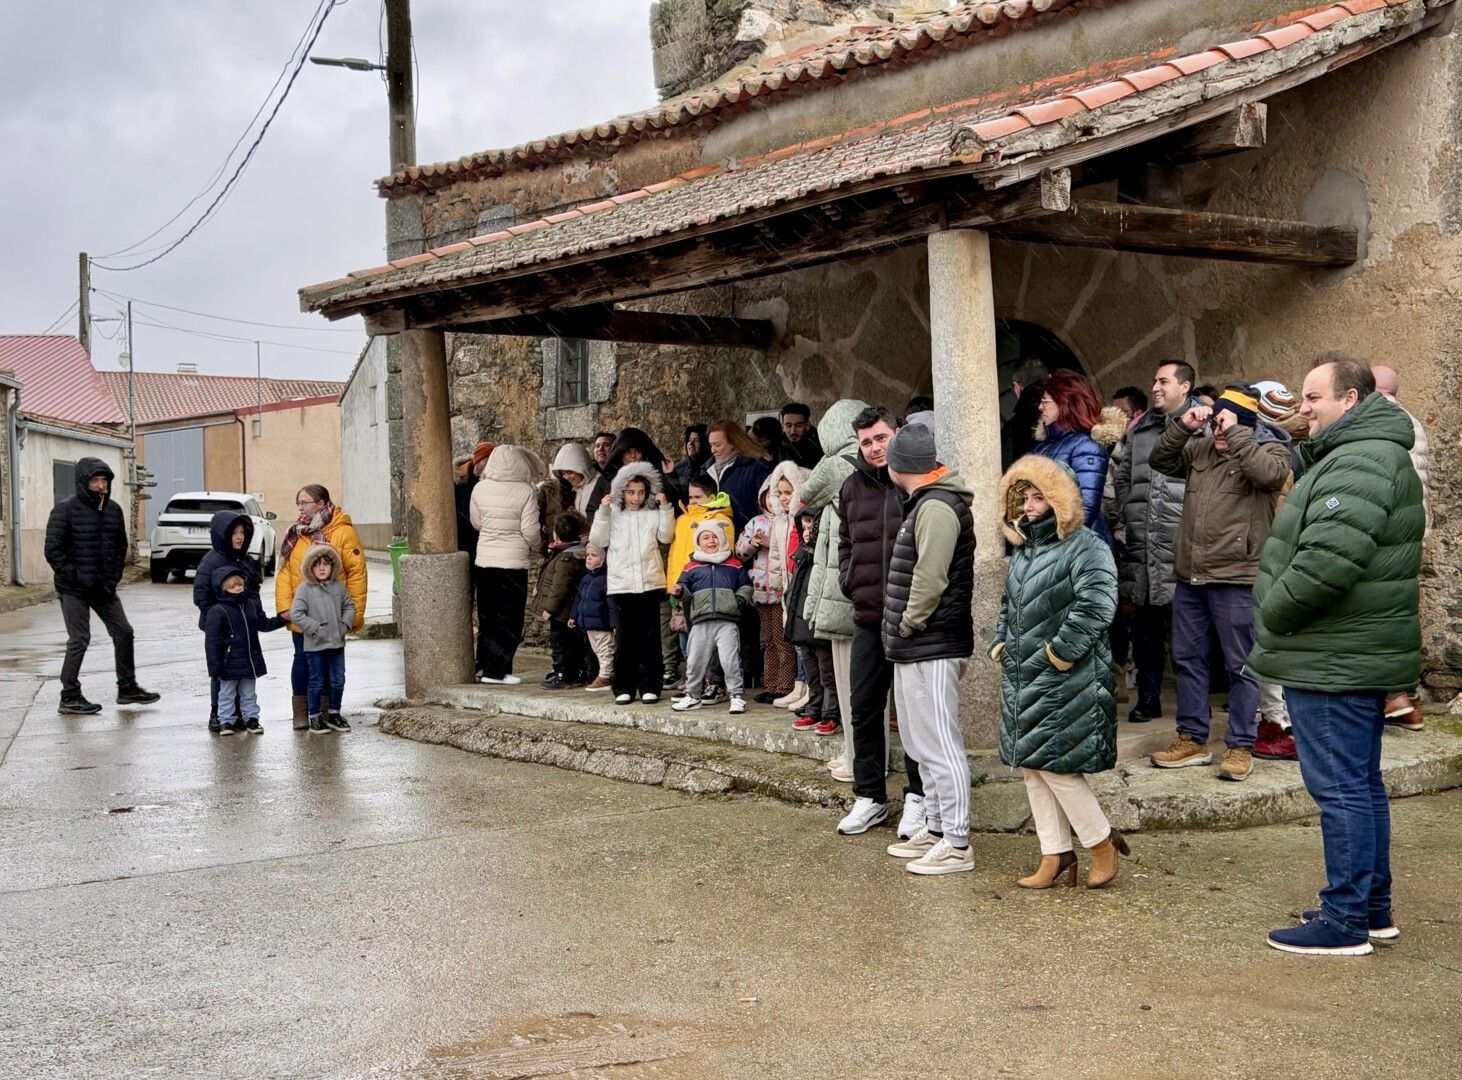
[993, 142]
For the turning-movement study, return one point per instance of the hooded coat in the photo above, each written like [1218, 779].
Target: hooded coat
[340, 534]
[572, 457]
[1058, 707]
[690, 467]
[741, 478]
[591, 609]
[231, 628]
[1150, 507]
[205, 595]
[323, 610]
[770, 538]
[1336, 599]
[558, 581]
[504, 511]
[1086, 455]
[86, 536]
[631, 539]
[632, 438]
[827, 608]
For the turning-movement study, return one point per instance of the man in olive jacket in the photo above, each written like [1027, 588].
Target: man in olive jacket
[1233, 477]
[1336, 604]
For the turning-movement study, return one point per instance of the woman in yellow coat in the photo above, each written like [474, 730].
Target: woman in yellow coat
[320, 522]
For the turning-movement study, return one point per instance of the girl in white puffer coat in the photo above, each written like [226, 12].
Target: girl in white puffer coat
[504, 511]
[634, 520]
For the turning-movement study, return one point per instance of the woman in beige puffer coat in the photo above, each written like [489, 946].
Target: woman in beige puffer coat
[504, 511]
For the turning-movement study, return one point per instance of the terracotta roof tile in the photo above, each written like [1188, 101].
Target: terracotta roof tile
[956, 133]
[163, 395]
[57, 379]
[860, 48]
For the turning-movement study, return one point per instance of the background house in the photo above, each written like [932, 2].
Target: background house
[365, 478]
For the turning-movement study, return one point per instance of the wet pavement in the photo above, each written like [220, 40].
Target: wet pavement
[180, 905]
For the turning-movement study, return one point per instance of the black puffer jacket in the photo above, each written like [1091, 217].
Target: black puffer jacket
[224, 555]
[872, 510]
[86, 536]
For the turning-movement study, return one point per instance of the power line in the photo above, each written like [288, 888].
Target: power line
[248, 156]
[122, 298]
[223, 165]
[211, 336]
[62, 317]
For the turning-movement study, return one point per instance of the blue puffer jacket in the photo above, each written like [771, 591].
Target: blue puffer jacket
[1086, 455]
[223, 556]
[231, 631]
[592, 610]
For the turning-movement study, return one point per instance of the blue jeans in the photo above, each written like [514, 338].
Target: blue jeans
[1338, 740]
[236, 700]
[213, 698]
[327, 679]
[1229, 610]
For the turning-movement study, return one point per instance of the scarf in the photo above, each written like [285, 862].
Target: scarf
[310, 527]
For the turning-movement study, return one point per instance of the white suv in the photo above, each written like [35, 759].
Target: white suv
[182, 535]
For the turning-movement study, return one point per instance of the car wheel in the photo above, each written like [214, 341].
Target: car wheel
[158, 572]
[272, 565]
[180, 575]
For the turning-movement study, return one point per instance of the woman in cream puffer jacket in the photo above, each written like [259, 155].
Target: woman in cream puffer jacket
[504, 511]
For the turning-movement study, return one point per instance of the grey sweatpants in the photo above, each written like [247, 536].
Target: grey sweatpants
[926, 694]
[721, 638]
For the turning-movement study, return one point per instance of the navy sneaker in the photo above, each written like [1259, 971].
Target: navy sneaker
[1318, 938]
[253, 727]
[231, 727]
[1383, 927]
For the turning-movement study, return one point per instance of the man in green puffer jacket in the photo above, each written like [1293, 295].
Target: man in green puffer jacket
[1336, 624]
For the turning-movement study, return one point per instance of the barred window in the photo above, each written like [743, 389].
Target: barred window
[573, 372]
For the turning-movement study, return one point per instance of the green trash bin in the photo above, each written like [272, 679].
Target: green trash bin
[397, 548]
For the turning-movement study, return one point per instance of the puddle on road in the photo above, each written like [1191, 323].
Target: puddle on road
[581, 1045]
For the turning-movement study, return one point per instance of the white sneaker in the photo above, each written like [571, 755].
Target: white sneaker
[506, 680]
[914, 846]
[649, 699]
[738, 705]
[623, 699]
[943, 858]
[790, 696]
[837, 764]
[801, 699]
[865, 814]
[841, 775]
[912, 819]
[685, 704]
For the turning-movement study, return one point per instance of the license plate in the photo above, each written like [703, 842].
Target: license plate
[192, 531]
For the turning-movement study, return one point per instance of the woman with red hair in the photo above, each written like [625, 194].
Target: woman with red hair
[1079, 433]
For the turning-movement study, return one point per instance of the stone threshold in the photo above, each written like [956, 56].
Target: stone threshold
[707, 751]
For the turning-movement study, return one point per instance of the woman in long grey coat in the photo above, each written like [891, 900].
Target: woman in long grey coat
[1058, 708]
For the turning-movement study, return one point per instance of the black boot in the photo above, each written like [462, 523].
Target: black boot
[336, 721]
[76, 705]
[1144, 711]
[135, 695]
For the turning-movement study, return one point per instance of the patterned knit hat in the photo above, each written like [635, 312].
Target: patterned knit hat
[1276, 402]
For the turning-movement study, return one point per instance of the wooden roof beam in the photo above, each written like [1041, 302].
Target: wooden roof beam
[602, 322]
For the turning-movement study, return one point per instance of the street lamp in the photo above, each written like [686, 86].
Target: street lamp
[354, 63]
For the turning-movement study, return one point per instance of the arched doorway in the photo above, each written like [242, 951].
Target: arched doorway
[1017, 341]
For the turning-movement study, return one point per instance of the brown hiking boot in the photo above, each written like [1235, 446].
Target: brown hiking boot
[1182, 753]
[1236, 764]
[1403, 711]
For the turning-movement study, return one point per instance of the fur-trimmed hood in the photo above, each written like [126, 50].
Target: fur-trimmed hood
[313, 554]
[1055, 481]
[1107, 433]
[835, 431]
[795, 475]
[635, 470]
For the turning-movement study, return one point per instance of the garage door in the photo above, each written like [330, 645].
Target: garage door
[176, 461]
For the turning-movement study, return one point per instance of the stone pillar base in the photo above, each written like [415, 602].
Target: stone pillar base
[436, 626]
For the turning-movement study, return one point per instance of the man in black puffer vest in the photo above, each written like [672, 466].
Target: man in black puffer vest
[86, 545]
[929, 634]
[871, 510]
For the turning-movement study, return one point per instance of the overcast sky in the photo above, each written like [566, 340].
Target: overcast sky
[115, 115]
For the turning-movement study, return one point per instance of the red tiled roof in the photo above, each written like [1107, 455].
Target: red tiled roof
[165, 395]
[973, 135]
[57, 379]
[812, 67]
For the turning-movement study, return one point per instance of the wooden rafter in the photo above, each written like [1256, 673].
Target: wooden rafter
[602, 322]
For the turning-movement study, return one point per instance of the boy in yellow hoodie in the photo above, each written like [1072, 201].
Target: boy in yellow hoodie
[703, 501]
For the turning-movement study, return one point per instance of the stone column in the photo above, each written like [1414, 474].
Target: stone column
[967, 407]
[436, 630]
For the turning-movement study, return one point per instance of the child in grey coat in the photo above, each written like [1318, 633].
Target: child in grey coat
[324, 612]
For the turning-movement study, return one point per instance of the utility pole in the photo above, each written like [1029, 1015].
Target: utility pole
[403, 237]
[134, 479]
[398, 83]
[83, 307]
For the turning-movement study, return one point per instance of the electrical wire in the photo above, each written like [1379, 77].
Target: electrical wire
[61, 318]
[228, 158]
[123, 298]
[248, 156]
[211, 336]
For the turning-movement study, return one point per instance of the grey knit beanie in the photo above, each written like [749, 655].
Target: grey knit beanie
[912, 450]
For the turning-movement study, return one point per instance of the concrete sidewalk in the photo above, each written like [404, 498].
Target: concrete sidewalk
[710, 750]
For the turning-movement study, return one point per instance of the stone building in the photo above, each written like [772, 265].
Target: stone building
[912, 202]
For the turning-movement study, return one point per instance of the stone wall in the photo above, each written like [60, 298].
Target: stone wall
[6, 510]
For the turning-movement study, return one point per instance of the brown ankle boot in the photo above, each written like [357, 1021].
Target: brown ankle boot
[1050, 872]
[301, 713]
[1104, 860]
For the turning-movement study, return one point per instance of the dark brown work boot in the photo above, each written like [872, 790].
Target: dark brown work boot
[301, 714]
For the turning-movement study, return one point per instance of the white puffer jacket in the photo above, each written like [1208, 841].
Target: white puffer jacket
[572, 457]
[631, 539]
[504, 510]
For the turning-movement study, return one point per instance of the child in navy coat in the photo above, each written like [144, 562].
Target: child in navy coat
[593, 614]
[231, 642]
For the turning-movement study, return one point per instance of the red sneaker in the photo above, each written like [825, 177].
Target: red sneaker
[802, 722]
[1273, 742]
[827, 727]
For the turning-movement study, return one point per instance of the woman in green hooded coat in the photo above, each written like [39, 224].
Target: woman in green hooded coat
[1058, 706]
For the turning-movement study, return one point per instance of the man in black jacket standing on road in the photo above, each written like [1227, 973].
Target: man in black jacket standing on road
[86, 545]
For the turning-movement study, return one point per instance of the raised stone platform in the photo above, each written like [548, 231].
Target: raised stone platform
[708, 750]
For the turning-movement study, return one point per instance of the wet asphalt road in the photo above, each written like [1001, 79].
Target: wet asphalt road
[179, 905]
